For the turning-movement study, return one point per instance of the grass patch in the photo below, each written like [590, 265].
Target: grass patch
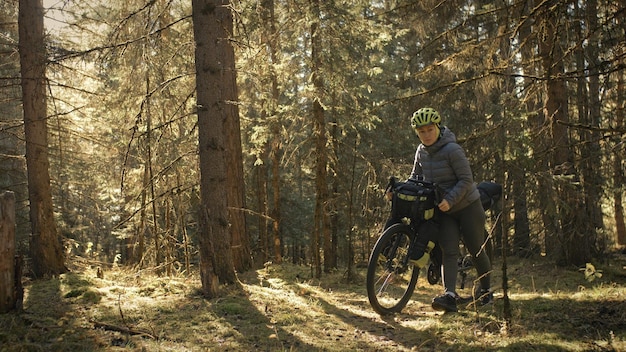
[281, 308]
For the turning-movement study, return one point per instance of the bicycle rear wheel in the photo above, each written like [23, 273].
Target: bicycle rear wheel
[390, 278]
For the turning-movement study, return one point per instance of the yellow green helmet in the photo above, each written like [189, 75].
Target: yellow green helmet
[425, 116]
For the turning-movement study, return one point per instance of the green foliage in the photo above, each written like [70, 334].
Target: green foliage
[124, 141]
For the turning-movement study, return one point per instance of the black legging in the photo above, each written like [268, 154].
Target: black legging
[470, 223]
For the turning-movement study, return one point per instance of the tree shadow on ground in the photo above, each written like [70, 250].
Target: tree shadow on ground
[256, 330]
[48, 321]
[572, 319]
[587, 324]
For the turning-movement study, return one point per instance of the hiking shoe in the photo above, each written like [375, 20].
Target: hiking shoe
[445, 302]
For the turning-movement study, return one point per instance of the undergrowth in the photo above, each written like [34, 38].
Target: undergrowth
[281, 308]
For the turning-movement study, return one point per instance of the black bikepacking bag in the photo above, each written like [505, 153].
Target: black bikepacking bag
[490, 193]
[413, 200]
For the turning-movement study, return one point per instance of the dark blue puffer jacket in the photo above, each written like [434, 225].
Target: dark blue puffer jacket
[445, 163]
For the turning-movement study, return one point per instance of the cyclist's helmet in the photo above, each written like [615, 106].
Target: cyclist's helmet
[425, 116]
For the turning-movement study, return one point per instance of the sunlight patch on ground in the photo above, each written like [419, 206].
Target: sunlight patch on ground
[280, 308]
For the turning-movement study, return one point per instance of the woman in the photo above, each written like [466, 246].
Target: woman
[441, 160]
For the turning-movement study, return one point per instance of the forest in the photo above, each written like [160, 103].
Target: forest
[210, 139]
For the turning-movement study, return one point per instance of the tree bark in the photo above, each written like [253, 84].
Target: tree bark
[588, 107]
[319, 135]
[7, 252]
[263, 245]
[521, 234]
[212, 22]
[235, 184]
[619, 178]
[45, 248]
[272, 149]
[572, 245]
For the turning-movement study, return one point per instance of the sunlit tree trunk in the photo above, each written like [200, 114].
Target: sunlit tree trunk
[45, 246]
[212, 25]
[235, 184]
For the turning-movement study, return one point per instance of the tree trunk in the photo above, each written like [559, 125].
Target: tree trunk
[262, 206]
[273, 46]
[351, 274]
[270, 38]
[7, 252]
[331, 240]
[235, 185]
[573, 244]
[537, 124]
[45, 248]
[588, 101]
[212, 24]
[319, 136]
[242, 258]
[276, 213]
[521, 235]
[618, 161]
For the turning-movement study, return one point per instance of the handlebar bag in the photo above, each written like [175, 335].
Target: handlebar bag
[414, 201]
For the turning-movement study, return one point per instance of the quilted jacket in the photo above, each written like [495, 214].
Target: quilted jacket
[445, 163]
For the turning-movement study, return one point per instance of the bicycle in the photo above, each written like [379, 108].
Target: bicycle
[391, 278]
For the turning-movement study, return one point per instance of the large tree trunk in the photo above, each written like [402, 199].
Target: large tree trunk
[242, 258]
[212, 21]
[45, 248]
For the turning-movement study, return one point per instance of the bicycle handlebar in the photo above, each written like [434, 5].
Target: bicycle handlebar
[419, 181]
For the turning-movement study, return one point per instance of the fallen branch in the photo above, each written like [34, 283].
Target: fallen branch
[122, 329]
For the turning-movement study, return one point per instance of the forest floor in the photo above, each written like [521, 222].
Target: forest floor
[280, 308]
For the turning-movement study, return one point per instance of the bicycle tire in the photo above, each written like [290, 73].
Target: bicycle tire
[390, 278]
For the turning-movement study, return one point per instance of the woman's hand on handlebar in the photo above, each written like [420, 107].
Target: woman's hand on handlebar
[444, 205]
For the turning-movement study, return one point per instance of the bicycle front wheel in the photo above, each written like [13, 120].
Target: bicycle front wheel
[390, 278]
